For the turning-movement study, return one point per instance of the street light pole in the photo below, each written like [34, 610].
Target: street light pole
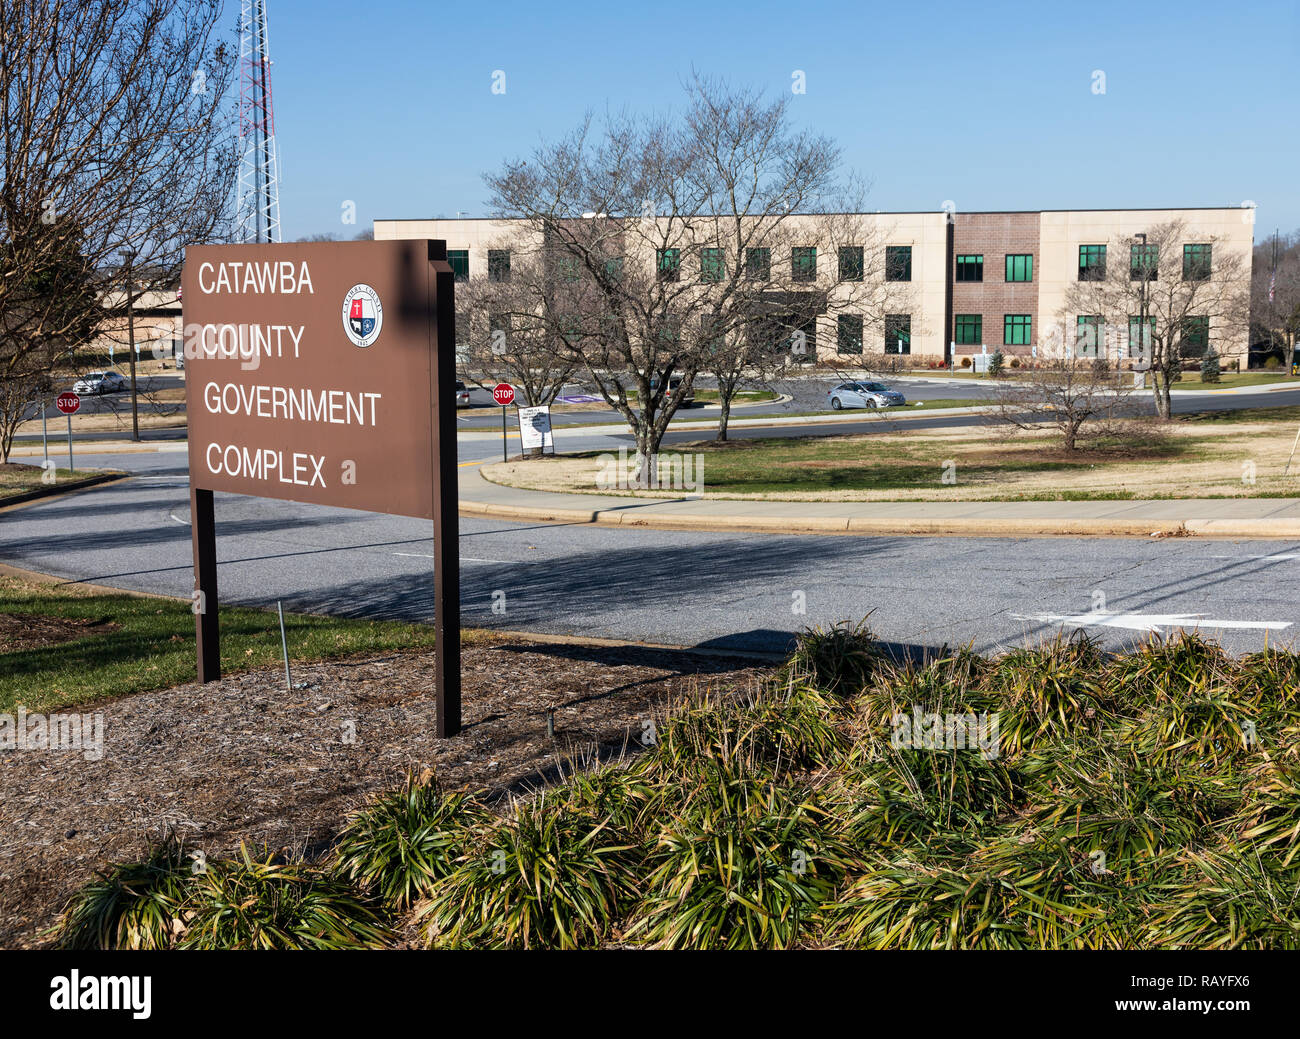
[130, 336]
[1143, 339]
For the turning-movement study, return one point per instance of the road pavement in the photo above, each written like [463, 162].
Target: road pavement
[734, 590]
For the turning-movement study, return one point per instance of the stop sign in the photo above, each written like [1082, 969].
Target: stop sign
[504, 394]
[68, 403]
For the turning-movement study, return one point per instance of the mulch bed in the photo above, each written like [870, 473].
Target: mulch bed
[19, 631]
[245, 758]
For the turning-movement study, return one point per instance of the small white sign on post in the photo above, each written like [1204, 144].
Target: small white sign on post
[535, 429]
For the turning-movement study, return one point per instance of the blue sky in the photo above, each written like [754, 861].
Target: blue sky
[389, 104]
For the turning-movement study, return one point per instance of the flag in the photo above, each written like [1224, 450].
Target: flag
[1272, 284]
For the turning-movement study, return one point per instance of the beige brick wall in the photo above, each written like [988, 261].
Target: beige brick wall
[1052, 237]
[1061, 233]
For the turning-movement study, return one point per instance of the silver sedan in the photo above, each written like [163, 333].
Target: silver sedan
[864, 395]
[100, 382]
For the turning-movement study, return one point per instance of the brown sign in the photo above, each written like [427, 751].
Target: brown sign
[314, 373]
[308, 373]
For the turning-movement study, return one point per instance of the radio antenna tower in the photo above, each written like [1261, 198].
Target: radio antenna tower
[257, 206]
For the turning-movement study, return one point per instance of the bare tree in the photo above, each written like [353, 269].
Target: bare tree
[1275, 293]
[1182, 297]
[118, 152]
[507, 331]
[662, 242]
[1075, 397]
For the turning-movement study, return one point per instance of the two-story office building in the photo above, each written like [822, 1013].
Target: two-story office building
[970, 283]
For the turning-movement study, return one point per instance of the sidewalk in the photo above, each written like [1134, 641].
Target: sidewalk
[1227, 517]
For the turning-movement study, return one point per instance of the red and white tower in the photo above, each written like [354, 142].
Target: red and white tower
[257, 203]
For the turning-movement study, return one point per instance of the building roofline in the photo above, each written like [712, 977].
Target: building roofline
[887, 212]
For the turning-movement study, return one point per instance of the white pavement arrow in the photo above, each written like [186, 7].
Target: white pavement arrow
[1152, 622]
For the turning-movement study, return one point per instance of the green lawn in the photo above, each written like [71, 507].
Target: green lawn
[1282, 413]
[925, 405]
[743, 397]
[812, 465]
[1190, 380]
[18, 478]
[152, 646]
[1230, 380]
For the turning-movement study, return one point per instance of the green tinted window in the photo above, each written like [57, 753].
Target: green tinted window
[758, 264]
[1020, 267]
[1143, 260]
[970, 267]
[850, 334]
[1087, 340]
[1196, 263]
[1139, 345]
[459, 260]
[898, 263]
[968, 328]
[1196, 336]
[803, 259]
[713, 264]
[898, 333]
[669, 263]
[1092, 262]
[852, 265]
[1016, 329]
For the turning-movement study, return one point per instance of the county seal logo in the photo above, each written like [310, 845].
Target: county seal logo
[363, 315]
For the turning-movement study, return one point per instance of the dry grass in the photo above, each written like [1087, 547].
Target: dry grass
[1189, 459]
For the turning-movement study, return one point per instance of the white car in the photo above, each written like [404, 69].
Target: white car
[462, 395]
[95, 383]
[864, 395]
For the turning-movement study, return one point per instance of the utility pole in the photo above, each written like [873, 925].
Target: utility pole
[1143, 339]
[130, 340]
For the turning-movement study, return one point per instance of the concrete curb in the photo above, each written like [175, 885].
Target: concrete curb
[57, 489]
[905, 526]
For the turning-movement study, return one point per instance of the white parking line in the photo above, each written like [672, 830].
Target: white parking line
[1271, 559]
[471, 559]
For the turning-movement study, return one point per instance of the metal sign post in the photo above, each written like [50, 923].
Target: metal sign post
[68, 403]
[326, 375]
[504, 394]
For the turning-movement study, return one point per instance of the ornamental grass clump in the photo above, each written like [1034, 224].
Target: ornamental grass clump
[787, 728]
[948, 686]
[623, 797]
[1123, 808]
[838, 660]
[922, 904]
[1270, 681]
[401, 843]
[1165, 668]
[1269, 820]
[136, 905]
[1209, 730]
[1012, 894]
[743, 863]
[1041, 694]
[265, 903]
[903, 797]
[546, 876]
[1227, 898]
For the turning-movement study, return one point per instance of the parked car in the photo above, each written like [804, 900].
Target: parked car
[99, 382]
[864, 395]
[673, 382]
[462, 395]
